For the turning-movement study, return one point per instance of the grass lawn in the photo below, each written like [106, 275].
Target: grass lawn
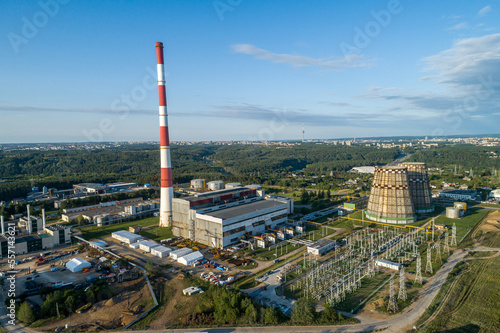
[368, 286]
[474, 301]
[265, 254]
[157, 233]
[94, 232]
[474, 215]
[491, 239]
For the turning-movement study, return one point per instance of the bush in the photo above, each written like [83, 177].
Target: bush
[25, 314]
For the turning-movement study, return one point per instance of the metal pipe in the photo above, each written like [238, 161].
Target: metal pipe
[43, 218]
[3, 224]
[28, 225]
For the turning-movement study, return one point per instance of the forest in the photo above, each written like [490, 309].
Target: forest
[259, 164]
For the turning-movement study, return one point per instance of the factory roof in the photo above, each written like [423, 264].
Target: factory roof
[45, 235]
[27, 238]
[56, 227]
[321, 243]
[211, 194]
[466, 192]
[243, 209]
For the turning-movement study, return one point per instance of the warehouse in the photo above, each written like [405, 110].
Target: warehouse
[148, 245]
[160, 251]
[77, 265]
[462, 195]
[180, 253]
[126, 237]
[321, 247]
[190, 258]
[220, 218]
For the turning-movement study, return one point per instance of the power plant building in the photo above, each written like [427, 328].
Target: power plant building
[220, 218]
[390, 199]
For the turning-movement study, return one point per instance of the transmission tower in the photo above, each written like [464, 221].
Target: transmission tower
[438, 251]
[428, 267]
[402, 286]
[392, 305]
[454, 235]
[418, 273]
[446, 246]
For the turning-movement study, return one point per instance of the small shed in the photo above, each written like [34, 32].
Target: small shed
[180, 253]
[135, 229]
[148, 245]
[160, 251]
[190, 258]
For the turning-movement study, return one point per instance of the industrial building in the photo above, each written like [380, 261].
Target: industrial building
[420, 190]
[321, 247]
[113, 211]
[495, 195]
[390, 199]
[160, 251]
[77, 265]
[126, 237]
[460, 195]
[221, 218]
[180, 253]
[31, 235]
[190, 258]
[387, 264]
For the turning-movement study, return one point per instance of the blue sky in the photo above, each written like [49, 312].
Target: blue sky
[248, 70]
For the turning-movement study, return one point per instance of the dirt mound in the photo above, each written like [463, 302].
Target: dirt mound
[112, 301]
[489, 227]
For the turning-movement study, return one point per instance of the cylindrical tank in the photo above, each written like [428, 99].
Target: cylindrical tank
[215, 185]
[255, 187]
[452, 212]
[420, 189]
[390, 200]
[197, 184]
[233, 185]
[460, 205]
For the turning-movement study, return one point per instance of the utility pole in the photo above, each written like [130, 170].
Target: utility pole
[402, 287]
[428, 267]
[418, 273]
[392, 306]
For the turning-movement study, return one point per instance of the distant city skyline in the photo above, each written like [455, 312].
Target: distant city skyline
[246, 70]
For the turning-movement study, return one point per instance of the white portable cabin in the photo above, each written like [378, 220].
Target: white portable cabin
[126, 237]
[180, 253]
[190, 258]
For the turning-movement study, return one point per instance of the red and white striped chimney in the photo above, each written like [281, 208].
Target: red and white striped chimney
[167, 191]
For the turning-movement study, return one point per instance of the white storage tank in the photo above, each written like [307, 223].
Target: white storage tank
[233, 185]
[216, 185]
[452, 212]
[255, 187]
[197, 184]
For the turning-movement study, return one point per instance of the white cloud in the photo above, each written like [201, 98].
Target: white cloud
[459, 26]
[349, 61]
[483, 11]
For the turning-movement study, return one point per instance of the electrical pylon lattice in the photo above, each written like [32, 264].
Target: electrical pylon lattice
[392, 306]
[402, 287]
[428, 267]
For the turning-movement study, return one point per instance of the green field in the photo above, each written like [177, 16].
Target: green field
[474, 215]
[94, 232]
[491, 239]
[474, 302]
[157, 233]
[368, 286]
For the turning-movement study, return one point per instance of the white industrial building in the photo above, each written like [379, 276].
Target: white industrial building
[125, 236]
[190, 258]
[99, 243]
[387, 264]
[460, 195]
[77, 265]
[495, 194]
[180, 253]
[232, 185]
[220, 218]
[161, 251]
[321, 247]
[148, 245]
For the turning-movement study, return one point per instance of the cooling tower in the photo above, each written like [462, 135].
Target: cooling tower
[390, 199]
[420, 189]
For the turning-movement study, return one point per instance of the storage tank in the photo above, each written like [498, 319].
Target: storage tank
[420, 189]
[255, 187]
[216, 185]
[452, 212]
[460, 205]
[390, 200]
[197, 184]
[233, 185]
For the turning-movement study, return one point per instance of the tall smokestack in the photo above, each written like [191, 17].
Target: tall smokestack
[3, 225]
[28, 225]
[43, 218]
[167, 191]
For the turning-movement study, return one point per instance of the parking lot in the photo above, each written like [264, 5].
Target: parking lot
[267, 295]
